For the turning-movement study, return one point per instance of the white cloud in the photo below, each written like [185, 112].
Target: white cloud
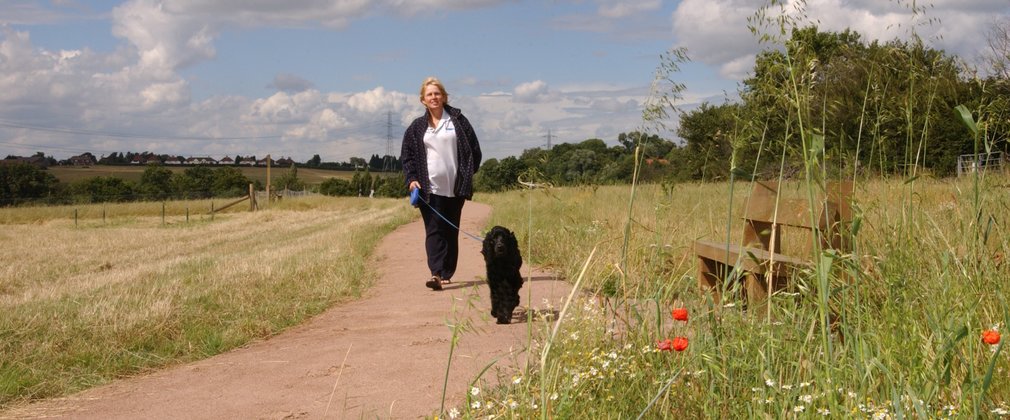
[531, 92]
[288, 82]
[620, 8]
[716, 33]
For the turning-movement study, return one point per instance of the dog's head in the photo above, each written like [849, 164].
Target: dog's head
[501, 245]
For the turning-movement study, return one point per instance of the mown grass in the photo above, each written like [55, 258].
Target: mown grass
[909, 303]
[87, 304]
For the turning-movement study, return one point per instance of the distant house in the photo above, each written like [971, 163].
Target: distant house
[152, 160]
[173, 161]
[263, 162]
[38, 161]
[285, 162]
[248, 161]
[227, 161]
[202, 160]
[86, 159]
[138, 160]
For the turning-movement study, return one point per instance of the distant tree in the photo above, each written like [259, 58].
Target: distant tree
[195, 182]
[155, 183]
[230, 182]
[336, 187]
[101, 189]
[357, 162]
[289, 180]
[23, 181]
[375, 163]
[314, 162]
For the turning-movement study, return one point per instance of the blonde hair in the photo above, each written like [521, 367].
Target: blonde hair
[434, 82]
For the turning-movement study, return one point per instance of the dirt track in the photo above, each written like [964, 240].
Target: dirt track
[383, 356]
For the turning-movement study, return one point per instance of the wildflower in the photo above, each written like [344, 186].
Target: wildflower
[474, 391]
[517, 379]
[554, 396]
[807, 398]
[665, 345]
[990, 337]
[824, 411]
[799, 409]
[787, 387]
[513, 404]
[769, 382]
[680, 314]
[475, 404]
[1000, 411]
[453, 413]
[679, 343]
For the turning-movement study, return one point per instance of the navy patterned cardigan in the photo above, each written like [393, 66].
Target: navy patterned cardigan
[414, 156]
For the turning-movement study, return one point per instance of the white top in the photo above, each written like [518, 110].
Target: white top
[440, 144]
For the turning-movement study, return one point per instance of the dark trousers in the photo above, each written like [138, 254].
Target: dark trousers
[441, 241]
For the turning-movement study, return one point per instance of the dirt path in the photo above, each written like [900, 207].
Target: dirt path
[395, 341]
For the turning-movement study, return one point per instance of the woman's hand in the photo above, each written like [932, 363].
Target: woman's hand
[414, 185]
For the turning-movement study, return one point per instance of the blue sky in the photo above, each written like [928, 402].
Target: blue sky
[303, 77]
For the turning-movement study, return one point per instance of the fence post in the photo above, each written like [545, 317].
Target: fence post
[252, 198]
[103, 213]
[187, 214]
[212, 210]
[75, 217]
[162, 212]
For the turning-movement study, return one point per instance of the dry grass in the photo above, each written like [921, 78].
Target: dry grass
[91, 303]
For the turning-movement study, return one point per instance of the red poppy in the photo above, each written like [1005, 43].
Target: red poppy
[680, 314]
[679, 343]
[664, 345]
[990, 337]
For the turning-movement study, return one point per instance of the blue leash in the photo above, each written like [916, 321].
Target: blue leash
[415, 197]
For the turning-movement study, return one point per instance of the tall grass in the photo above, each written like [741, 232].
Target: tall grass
[84, 305]
[906, 339]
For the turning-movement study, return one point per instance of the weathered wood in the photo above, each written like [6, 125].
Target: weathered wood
[759, 261]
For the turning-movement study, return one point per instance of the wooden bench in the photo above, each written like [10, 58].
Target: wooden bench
[760, 260]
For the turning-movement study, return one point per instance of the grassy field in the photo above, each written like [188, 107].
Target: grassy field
[909, 304]
[925, 279]
[129, 293]
[310, 176]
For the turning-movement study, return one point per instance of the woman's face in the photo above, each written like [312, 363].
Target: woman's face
[433, 98]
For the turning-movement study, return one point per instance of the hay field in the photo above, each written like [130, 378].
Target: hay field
[311, 176]
[87, 304]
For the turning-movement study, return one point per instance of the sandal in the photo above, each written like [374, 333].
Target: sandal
[435, 283]
[446, 281]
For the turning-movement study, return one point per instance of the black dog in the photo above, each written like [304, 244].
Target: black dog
[502, 258]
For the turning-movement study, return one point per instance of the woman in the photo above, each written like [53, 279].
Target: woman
[440, 154]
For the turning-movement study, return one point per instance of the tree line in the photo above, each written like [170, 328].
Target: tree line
[851, 107]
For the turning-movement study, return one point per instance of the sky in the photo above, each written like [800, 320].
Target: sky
[341, 78]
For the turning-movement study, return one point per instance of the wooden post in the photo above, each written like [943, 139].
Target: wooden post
[187, 214]
[268, 182]
[162, 212]
[75, 217]
[252, 198]
[212, 211]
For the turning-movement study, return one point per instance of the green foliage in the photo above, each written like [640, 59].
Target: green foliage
[24, 181]
[230, 182]
[102, 189]
[156, 183]
[289, 180]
